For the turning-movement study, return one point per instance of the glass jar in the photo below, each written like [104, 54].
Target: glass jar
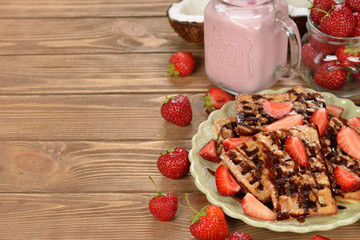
[330, 64]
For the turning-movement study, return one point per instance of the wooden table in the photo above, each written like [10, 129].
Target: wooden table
[81, 85]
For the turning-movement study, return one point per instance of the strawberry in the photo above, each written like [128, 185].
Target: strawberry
[354, 5]
[215, 98]
[177, 109]
[321, 119]
[334, 111]
[208, 152]
[319, 9]
[311, 57]
[347, 181]
[288, 121]
[354, 122]
[254, 208]
[348, 56]
[356, 31]
[277, 109]
[321, 46]
[349, 141]
[174, 163]
[181, 64]
[340, 22]
[295, 147]
[209, 223]
[231, 143]
[239, 236]
[163, 206]
[318, 237]
[330, 75]
[225, 183]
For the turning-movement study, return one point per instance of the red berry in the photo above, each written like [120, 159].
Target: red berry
[288, 121]
[225, 183]
[319, 9]
[348, 56]
[181, 64]
[311, 57]
[340, 22]
[177, 109]
[174, 163]
[215, 98]
[295, 147]
[163, 206]
[354, 5]
[209, 223]
[277, 109]
[254, 208]
[321, 119]
[347, 181]
[239, 236]
[318, 237]
[231, 143]
[330, 75]
[349, 141]
[321, 47]
[334, 111]
[356, 31]
[208, 152]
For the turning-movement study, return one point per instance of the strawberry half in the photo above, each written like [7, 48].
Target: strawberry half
[208, 152]
[295, 147]
[347, 181]
[254, 208]
[354, 122]
[321, 119]
[334, 111]
[349, 141]
[318, 237]
[225, 183]
[288, 121]
[231, 143]
[277, 109]
[215, 98]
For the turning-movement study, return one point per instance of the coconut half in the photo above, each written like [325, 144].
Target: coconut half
[187, 17]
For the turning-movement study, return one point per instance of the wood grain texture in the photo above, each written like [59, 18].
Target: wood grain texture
[89, 35]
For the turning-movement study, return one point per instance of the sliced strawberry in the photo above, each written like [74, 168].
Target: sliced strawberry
[295, 147]
[225, 183]
[277, 109]
[318, 237]
[231, 143]
[349, 141]
[254, 208]
[215, 98]
[321, 119]
[354, 122]
[347, 181]
[208, 152]
[288, 121]
[334, 111]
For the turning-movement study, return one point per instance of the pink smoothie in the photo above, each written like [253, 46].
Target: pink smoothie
[243, 48]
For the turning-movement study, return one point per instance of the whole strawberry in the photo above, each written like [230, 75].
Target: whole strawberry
[163, 206]
[181, 64]
[311, 57]
[319, 9]
[340, 22]
[354, 5]
[348, 56]
[177, 109]
[209, 223]
[239, 236]
[330, 75]
[356, 31]
[174, 163]
[215, 98]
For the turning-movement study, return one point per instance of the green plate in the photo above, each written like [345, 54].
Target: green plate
[205, 182]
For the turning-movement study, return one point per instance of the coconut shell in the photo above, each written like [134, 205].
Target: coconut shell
[192, 32]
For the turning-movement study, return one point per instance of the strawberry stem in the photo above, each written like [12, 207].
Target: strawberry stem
[199, 214]
[167, 148]
[187, 200]
[157, 189]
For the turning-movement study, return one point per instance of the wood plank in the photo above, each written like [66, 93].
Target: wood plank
[82, 166]
[102, 73]
[114, 216]
[89, 35]
[83, 8]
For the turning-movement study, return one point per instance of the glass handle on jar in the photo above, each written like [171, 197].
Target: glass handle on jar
[290, 27]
